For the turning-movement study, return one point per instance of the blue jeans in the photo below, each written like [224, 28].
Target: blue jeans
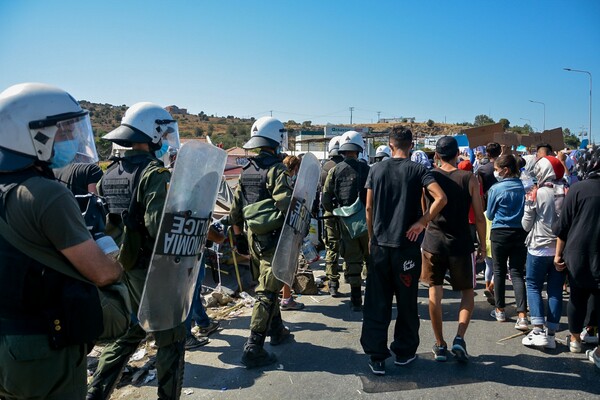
[540, 270]
[197, 311]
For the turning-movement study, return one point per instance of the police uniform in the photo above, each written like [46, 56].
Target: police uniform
[344, 183]
[332, 231]
[45, 213]
[265, 176]
[141, 219]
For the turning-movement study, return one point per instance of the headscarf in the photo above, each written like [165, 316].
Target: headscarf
[420, 157]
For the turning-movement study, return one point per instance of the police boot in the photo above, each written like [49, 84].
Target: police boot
[333, 288]
[356, 298]
[254, 355]
[279, 333]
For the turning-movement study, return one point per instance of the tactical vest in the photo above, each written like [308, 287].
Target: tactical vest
[350, 181]
[253, 179]
[120, 182]
[332, 162]
[32, 295]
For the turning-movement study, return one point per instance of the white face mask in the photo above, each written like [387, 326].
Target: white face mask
[498, 177]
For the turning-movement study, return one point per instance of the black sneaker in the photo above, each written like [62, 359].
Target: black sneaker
[440, 352]
[459, 349]
[378, 367]
[405, 360]
[192, 342]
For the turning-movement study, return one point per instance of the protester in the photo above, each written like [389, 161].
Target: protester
[578, 246]
[420, 157]
[505, 208]
[41, 228]
[331, 225]
[448, 246]
[138, 182]
[80, 178]
[542, 208]
[395, 222]
[263, 178]
[485, 173]
[344, 185]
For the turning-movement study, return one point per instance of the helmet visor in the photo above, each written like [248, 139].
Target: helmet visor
[170, 133]
[79, 130]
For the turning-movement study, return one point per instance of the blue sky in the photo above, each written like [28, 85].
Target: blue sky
[312, 60]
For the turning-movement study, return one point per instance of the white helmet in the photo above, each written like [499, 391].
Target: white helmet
[45, 123]
[334, 146]
[351, 141]
[146, 123]
[383, 152]
[266, 132]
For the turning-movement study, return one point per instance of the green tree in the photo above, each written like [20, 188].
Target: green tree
[198, 131]
[483, 119]
[572, 141]
[430, 123]
[505, 123]
[566, 132]
[210, 129]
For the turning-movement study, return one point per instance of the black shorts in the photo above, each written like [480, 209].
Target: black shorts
[461, 270]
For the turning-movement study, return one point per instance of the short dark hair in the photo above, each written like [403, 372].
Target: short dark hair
[544, 145]
[401, 137]
[508, 161]
[493, 149]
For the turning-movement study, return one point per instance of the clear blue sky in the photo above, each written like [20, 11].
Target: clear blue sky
[312, 60]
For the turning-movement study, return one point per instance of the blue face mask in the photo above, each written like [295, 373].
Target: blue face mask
[163, 149]
[64, 152]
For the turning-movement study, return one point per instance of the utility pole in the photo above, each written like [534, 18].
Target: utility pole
[378, 114]
[351, 109]
[271, 111]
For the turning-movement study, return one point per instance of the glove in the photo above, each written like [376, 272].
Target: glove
[241, 244]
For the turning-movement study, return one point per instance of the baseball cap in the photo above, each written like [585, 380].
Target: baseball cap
[446, 146]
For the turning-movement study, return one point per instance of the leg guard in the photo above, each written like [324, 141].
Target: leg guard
[170, 367]
[254, 355]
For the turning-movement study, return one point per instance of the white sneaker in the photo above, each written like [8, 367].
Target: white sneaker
[537, 338]
[587, 338]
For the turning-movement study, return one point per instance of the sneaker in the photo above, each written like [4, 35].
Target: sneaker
[440, 352]
[405, 360]
[378, 367]
[499, 315]
[591, 355]
[521, 324]
[537, 337]
[333, 288]
[206, 331]
[489, 296]
[459, 349]
[574, 345]
[290, 304]
[587, 337]
[192, 342]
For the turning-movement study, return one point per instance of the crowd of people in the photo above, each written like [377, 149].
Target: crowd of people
[414, 219]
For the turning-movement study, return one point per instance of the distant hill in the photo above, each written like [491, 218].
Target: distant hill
[230, 131]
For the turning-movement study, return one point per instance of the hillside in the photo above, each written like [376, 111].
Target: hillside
[229, 131]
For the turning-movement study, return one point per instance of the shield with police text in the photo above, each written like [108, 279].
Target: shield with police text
[297, 220]
[182, 232]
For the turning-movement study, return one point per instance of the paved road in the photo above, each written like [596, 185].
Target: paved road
[325, 360]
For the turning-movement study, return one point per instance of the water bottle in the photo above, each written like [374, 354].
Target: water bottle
[527, 180]
[309, 251]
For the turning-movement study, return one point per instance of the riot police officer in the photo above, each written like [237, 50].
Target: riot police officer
[264, 179]
[49, 263]
[332, 232]
[345, 182]
[135, 189]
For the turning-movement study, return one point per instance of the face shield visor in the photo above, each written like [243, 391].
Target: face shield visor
[170, 133]
[63, 139]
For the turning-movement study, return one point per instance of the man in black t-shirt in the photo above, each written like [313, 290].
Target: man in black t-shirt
[448, 246]
[80, 178]
[395, 221]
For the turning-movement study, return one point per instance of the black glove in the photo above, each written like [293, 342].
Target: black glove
[241, 244]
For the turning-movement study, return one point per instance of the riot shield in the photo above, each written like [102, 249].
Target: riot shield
[179, 245]
[297, 220]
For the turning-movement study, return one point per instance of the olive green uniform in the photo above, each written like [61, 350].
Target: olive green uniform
[43, 212]
[262, 247]
[332, 230]
[355, 251]
[134, 255]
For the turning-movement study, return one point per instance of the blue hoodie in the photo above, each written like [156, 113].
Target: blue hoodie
[506, 202]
